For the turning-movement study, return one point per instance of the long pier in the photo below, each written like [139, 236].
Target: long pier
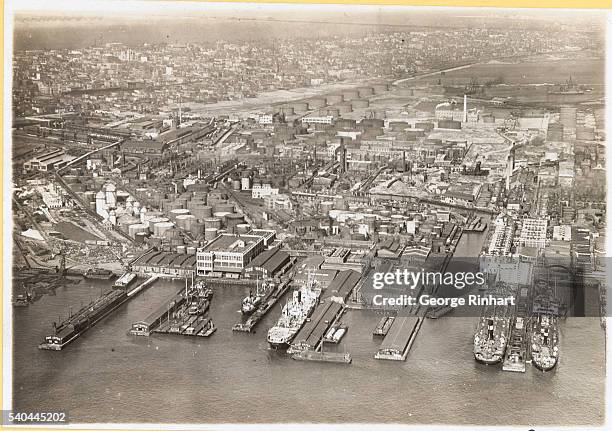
[401, 335]
[268, 302]
[313, 331]
[183, 314]
[73, 327]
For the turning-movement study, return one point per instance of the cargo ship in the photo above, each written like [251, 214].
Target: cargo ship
[545, 343]
[491, 336]
[294, 314]
[516, 352]
[125, 280]
[98, 273]
[82, 320]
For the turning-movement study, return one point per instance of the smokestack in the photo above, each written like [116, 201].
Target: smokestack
[465, 108]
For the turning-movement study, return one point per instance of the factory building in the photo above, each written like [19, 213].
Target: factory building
[165, 264]
[533, 233]
[268, 264]
[49, 161]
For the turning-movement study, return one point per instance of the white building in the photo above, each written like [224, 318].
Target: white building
[260, 191]
[328, 119]
[533, 233]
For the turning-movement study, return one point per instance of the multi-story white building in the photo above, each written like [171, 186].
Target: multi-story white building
[228, 254]
[501, 239]
[533, 233]
[328, 119]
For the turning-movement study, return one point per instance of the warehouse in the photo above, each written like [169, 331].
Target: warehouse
[268, 264]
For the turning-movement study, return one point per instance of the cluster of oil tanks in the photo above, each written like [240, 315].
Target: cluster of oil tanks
[336, 104]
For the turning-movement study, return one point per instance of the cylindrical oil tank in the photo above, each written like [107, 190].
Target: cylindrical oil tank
[221, 216]
[334, 112]
[201, 211]
[212, 223]
[197, 229]
[159, 229]
[210, 234]
[140, 237]
[360, 103]
[365, 91]
[153, 221]
[185, 221]
[177, 212]
[233, 220]
[236, 184]
[133, 229]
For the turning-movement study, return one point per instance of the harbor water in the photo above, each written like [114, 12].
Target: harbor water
[107, 375]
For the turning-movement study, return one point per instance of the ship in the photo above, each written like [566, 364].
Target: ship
[125, 280]
[98, 273]
[545, 343]
[82, 320]
[294, 315]
[251, 302]
[569, 88]
[491, 336]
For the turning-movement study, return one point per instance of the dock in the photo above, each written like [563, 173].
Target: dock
[399, 339]
[183, 314]
[79, 322]
[315, 328]
[383, 326]
[268, 302]
[310, 355]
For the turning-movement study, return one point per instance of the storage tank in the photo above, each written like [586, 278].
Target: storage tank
[191, 250]
[185, 221]
[365, 91]
[223, 207]
[236, 184]
[332, 99]
[153, 221]
[140, 237]
[177, 212]
[213, 223]
[201, 211]
[159, 229]
[233, 220]
[334, 112]
[181, 249]
[133, 229]
[210, 234]
[197, 229]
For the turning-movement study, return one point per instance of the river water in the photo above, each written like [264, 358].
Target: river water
[109, 376]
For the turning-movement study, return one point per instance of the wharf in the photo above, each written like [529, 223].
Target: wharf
[268, 302]
[399, 339]
[383, 326]
[184, 314]
[71, 328]
[310, 355]
[315, 328]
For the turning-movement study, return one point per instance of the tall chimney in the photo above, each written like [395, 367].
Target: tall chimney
[465, 108]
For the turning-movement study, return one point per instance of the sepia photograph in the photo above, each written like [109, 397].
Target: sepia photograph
[279, 216]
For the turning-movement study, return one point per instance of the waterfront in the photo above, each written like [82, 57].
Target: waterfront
[110, 376]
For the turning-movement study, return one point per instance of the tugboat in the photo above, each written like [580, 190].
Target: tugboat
[294, 314]
[545, 343]
[251, 302]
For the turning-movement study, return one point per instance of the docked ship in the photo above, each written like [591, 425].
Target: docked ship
[491, 336]
[294, 314]
[98, 273]
[545, 343]
[83, 319]
[569, 88]
[125, 280]
[252, 301]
